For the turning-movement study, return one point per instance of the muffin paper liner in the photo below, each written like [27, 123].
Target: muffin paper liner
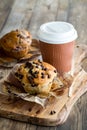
[9, 62]
[78, 72]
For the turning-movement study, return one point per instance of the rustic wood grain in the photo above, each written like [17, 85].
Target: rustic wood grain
[19, 16]
[77, 16]
[34, 113]
[74, 11]
[5, 7]
[44, 11]
[63, 10]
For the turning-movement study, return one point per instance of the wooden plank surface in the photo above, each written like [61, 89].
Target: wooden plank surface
[44, 11]
[4, 12]
[19, 16]
[33, 113]
[31, 15]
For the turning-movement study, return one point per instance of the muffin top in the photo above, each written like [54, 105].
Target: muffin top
[36, 75]
[16, 40]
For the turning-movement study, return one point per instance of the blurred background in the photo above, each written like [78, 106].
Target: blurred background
[30, 14]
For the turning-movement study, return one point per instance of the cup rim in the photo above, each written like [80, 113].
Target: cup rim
[69, 34]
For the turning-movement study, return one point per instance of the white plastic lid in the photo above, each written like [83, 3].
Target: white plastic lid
[57, 32]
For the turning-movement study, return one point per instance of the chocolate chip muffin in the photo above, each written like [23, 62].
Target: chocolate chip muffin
[16, 43]
[35, 77]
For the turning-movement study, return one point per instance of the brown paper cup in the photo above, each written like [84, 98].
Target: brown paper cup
[57, 44]
[58, 55]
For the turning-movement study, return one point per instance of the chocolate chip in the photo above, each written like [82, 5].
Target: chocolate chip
[31, 72]
[52, 112]
[18, 35]
[18, 47]
[36, 66]
[42, 67]
[38, 111]
[28, 65]
[34, 62]
[30, 109]
[45, 69]
[35, 74]
[42, 76]
[39, 61]
[16, 74]
[49, 76]
[55, 71]
[9, 91]
[31, 80]
[23, 84]
[42, 73]
[20, 76]
[34, 85]
[77, 46]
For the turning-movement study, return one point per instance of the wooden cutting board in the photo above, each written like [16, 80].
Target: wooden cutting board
[54, 113]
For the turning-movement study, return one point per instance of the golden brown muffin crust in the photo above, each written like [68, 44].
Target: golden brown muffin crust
[36, 76]
[16, 41]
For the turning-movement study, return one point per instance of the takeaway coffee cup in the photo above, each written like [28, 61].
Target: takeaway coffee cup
[57, 41]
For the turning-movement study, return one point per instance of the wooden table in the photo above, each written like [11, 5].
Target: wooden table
[30, 14]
